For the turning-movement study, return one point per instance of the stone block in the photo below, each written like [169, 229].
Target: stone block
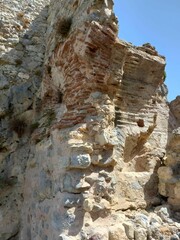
[177, 190]
[142, 220]
[140, 233]
[82, 186]
[129, 229]
[117, 232]
[64, 237]
[135, 189]
[88, 205]
[165, 173]
[99, 233]
[72, 201]
[86, 148]
[80, 161]
[163, 212]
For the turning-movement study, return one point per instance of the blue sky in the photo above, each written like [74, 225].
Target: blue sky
[156, 22]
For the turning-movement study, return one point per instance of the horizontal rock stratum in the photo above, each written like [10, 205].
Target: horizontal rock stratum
[89, 145]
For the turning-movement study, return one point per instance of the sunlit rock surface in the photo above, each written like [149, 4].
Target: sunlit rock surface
[89, 145]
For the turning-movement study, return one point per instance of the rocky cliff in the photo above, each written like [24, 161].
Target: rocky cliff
[89, 145]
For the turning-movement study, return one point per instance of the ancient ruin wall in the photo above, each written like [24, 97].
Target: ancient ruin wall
[95, 128]
[22, 47]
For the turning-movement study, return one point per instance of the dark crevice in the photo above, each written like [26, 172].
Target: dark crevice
[14, 237]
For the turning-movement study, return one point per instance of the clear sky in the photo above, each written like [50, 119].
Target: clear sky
[156, 22]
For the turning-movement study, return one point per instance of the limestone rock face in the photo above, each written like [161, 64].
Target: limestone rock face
[169, 174]
[89, 146]
[174, 107]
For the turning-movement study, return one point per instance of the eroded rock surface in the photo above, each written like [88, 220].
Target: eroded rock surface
[89, 146]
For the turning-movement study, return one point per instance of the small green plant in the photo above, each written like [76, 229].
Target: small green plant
[18, 125]
[64, 26]
[165, 75]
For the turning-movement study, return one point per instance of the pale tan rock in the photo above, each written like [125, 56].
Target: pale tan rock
[117, 232]
[88, 205]
[101, 138]
[129, 229]
[169, 175]
[99, 128]
[165, 173]
[23, 75]
[134, 196]
[174, 106]
[140, 233]
[99, 233]
[162, 188]
[177, 191]
[87, 219]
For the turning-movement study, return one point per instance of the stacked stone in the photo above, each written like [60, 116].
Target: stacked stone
[169, 174]
[87, 167]
[22, 46]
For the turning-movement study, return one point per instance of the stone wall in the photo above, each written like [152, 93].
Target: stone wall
[22, 47]
[169, 174]
[85, 128]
